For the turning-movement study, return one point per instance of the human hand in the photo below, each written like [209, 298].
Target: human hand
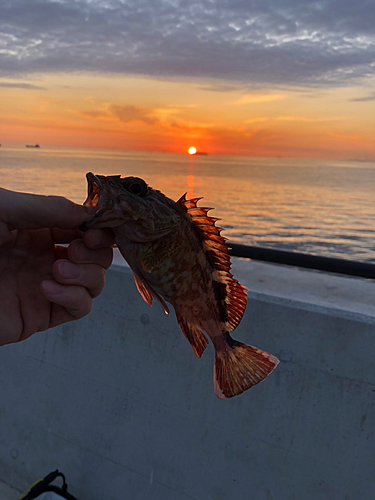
[42, 283]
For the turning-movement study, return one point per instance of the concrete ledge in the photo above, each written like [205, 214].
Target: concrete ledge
[338, 294]
[118, 402]
[8, 493]
[312, 290]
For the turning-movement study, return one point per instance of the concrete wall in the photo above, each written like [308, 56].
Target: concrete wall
[119, 403]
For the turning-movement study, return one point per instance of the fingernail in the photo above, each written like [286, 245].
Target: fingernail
[51, 287]
[68, 270]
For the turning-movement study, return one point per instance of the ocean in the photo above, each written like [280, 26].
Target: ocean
[321, 207]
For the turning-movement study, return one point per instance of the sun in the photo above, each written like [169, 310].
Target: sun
[192, 150]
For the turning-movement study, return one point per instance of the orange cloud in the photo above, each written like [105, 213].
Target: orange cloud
[347, 137]
[125, 113]
[256, 98]
[307, 119]
[131, 113]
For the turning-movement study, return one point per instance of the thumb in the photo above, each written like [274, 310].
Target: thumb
[32, 211]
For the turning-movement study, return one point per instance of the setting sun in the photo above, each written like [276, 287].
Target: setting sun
[192, 150]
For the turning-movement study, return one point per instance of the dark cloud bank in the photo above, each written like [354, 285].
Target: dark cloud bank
[283, 42]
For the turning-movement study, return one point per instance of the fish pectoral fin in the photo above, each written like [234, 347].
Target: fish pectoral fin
[239, 367]
[148, 293]
[195, 336]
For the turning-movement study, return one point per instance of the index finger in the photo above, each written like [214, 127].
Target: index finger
[32, 211]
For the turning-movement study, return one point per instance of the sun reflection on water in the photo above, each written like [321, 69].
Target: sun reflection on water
[314, 206]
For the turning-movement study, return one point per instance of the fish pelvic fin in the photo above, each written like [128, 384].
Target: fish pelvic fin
[239, 367]
[148, 293]
[195, 336]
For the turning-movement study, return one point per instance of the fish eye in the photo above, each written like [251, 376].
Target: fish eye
[135, 186]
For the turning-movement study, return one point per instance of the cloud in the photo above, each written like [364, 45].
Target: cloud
[27, 86]
[307, 119]
[364, 99]
[95, 114]
[346, 137]
[283, 42]
[255, 98]
[304, 119]
[257, 120]
[130, 113]
[126, 114]
[219, 87]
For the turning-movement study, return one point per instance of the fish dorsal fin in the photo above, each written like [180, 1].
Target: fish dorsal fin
[148, 293]
[235, 300]
[195, 336]
[234, 295]
[188, 203]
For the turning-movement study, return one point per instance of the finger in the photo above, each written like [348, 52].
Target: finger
[32, 211]
[99, 238]
[6, 237]
[65, 235]
[70, 301]
[93, 238]
[89, 276]
[61, 252]
[79, 253]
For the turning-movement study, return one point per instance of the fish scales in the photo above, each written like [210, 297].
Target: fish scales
[178, 256]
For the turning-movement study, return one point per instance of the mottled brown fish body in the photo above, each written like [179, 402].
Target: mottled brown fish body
[177, 255]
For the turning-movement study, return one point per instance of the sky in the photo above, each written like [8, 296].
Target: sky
[235, 77]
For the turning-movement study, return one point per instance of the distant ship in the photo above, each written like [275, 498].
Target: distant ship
[32, 146]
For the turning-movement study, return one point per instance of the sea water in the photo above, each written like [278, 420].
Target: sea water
[313, 206]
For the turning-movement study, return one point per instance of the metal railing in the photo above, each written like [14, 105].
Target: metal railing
[328, 264]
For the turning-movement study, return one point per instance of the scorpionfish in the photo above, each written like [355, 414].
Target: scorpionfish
[177, 256]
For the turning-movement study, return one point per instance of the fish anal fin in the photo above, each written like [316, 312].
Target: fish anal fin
[195, 336]
[239, 367]
[148, 293]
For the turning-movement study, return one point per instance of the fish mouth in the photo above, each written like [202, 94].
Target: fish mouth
[94, 195]
[101, 195]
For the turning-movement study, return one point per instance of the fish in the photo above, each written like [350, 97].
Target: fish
[178, 256]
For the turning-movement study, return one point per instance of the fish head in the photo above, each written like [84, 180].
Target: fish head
[130, 204]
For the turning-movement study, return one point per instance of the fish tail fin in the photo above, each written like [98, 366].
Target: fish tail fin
[238, 367]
